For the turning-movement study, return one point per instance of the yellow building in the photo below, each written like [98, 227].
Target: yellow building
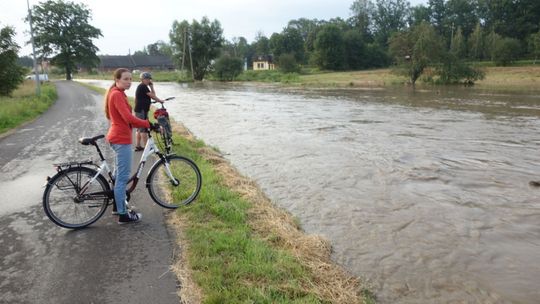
[263, 63]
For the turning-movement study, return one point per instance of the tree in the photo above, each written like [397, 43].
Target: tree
[355, 53]
[476, 43]
[308, 30]
[261, 44]
[62, 30]
[491, 42]
[158, 48]
[416, 49]
[11, 74]
[458, 45]
[419, 14]
[329, 48]
[437, 11]
[205, 39]
[455, 70]
[363, 12]
[534, 45]
[376, 56]
[26, 61]
[390, 16]
[506, 51]
[275, 43]
[228, 67]
[462, 14]
[511, 18]
[287, 63]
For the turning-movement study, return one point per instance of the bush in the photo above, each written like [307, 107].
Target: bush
[506, 51]
[454, 70]
[227, 68]
[11, 74]
[287, 64]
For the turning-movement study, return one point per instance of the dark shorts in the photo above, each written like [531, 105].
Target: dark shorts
[142, 115]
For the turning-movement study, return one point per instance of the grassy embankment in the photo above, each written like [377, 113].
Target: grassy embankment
[521, 76]
[24, 106]
[237, 247]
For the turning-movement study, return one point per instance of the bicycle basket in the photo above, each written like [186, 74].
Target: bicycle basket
[160, 112]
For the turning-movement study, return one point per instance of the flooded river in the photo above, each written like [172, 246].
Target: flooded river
[424, 194]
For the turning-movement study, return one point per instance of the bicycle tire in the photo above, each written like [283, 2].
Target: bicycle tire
[173, 194]
[62, 203]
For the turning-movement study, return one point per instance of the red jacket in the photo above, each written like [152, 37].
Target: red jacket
[122, 121]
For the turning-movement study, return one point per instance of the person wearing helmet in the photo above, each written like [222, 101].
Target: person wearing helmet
[143, 96]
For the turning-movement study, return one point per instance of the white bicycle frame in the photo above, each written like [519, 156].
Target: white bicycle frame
[149, 149]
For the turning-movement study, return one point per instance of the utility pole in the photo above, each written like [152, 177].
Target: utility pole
[184, 51]
[190, 58]
[38, 88]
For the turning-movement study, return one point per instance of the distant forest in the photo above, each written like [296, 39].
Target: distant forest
[379, 33]
[496, 30]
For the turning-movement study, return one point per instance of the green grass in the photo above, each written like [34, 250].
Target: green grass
[268, 76]
[230, 263]
[24, 105]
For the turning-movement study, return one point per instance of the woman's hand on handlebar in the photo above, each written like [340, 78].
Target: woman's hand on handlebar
[155, 126]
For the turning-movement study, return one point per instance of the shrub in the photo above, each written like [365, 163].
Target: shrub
[11, 74]
[227, 68]
[506, 51]
[288, 64]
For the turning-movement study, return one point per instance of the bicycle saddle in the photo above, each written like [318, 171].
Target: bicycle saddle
[90, 140]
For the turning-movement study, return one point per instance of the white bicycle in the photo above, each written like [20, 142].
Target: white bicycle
[79, 193]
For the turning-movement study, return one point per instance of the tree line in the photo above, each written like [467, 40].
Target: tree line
[443, 36]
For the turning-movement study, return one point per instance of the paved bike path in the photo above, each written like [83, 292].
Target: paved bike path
[105, 263]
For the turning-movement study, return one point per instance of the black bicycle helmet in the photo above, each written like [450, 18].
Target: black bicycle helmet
[146, 75]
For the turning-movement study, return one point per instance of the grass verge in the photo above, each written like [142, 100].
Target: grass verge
[237, 247]
[24, 105]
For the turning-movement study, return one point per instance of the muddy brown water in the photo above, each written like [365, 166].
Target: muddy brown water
[424, 194]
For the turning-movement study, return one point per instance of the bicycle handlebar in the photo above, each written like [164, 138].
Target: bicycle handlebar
[166, 99]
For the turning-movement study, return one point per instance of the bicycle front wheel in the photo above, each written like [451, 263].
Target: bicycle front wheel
[174, 181]
[73, 199]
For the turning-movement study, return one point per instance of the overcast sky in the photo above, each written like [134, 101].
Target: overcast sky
[128, 26]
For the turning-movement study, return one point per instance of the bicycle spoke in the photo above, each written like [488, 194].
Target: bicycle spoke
[64, 203]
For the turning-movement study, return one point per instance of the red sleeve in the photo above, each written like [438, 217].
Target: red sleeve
[120, 103]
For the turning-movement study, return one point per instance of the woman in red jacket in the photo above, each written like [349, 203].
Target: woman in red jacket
[118, 111]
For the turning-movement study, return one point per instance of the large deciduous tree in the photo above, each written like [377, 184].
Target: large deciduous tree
[62, 30]
[390, 17]
[11, 74]
[329, 48]
[205, 39]
[362, 17]
[534, 45]
[416, 49]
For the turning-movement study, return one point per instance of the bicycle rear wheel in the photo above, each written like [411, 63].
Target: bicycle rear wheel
[182, 189]
[71, 201]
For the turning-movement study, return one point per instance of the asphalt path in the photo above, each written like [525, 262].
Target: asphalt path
[105, 263]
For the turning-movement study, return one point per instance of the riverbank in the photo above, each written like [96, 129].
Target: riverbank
[497, 78]
[526, 77]
[24, 106]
